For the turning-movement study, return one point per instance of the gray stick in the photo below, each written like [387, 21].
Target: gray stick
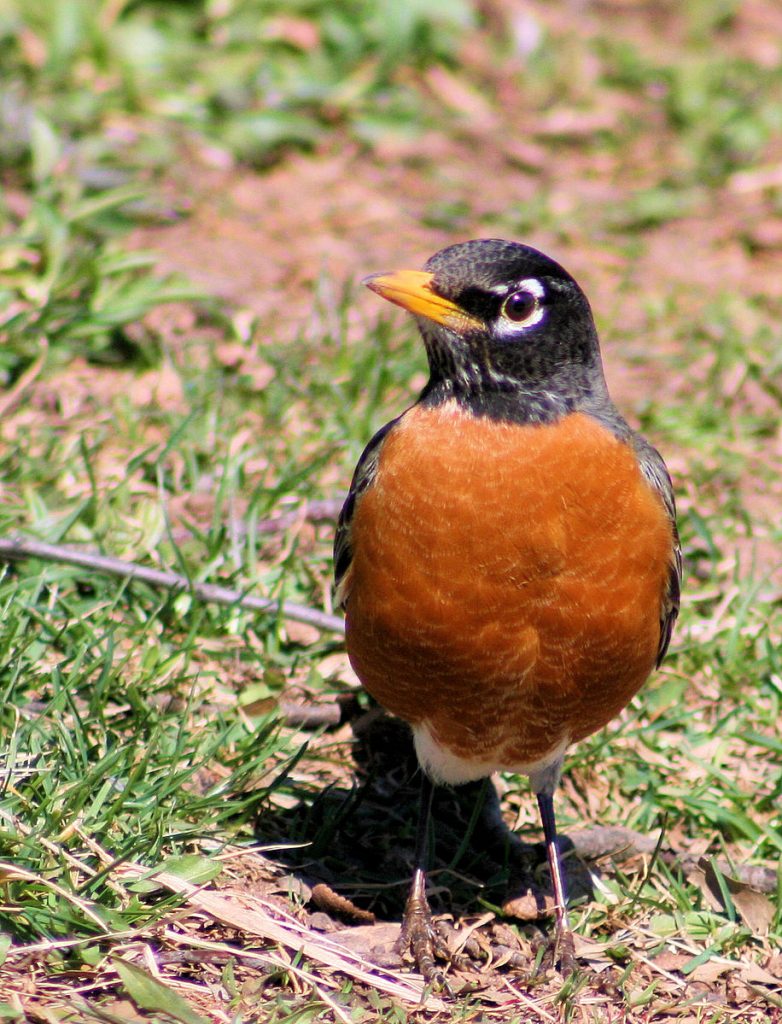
[15, 548]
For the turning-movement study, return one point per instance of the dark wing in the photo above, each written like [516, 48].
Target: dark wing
[365, 473]
[655, 471]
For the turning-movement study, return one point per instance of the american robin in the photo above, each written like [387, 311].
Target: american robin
[507, 556]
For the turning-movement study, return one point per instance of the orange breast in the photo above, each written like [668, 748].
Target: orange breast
[507, 581]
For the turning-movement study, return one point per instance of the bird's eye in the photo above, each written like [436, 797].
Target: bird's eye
[521, 306]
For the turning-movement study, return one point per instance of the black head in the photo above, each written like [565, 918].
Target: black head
[507, 330]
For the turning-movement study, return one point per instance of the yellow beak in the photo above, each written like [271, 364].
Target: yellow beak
[412, 290]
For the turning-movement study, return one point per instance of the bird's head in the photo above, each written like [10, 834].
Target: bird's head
[507, 330]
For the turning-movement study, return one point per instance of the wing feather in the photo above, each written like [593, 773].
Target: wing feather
[363, 477]
[656, 473]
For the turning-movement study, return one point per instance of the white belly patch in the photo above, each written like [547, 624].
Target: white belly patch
[443, 766]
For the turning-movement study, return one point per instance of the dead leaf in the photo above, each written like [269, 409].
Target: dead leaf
[765, 235]
[235, 356]
[594, 953]
[754, 908]
[300, 32]
[711, 970]
[575, 123]
[261, 375]
[740, 994]
[774, 966]
[525, 153]
[161, 387]
[255, 916]
[529, 906]
[754, 974]
[670, 961]
[337, 666]
[123, 1009]
[376, 942]
[301, 634]
[459, 96]
[230, 354]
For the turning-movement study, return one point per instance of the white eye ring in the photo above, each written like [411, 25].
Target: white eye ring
[522, 307]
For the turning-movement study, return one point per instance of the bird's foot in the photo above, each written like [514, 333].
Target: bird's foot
[560, 953]
[565, 952]
[421, 939]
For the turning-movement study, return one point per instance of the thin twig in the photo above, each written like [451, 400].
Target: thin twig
[15, 548]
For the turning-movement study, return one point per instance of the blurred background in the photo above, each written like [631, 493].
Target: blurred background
[190, 193]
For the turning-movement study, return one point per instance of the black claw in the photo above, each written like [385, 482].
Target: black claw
[420, 938]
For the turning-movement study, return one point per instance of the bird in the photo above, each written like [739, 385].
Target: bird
[507, 557]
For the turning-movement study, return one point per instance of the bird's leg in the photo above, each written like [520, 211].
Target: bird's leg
[564, 950]
[418, 934]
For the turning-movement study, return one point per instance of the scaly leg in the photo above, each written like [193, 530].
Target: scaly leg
[564, 948]
[418, 934]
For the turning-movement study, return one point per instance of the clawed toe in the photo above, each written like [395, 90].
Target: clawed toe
[560, 953]
[565, 953]
[420, 938]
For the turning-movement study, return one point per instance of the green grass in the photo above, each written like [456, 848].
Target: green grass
[138, 726]
[269, 76]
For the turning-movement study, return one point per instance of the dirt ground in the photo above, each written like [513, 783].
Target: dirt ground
[263, 240]
[271, 242]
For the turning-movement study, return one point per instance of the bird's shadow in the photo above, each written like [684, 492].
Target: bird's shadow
[360, 840]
